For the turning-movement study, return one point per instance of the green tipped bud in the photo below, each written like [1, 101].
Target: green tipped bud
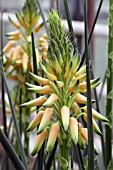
[81, 71]
[73, 125]
[59, 84]
[47, 74]
[68, 71]
[52, 99]
[15, 33]
[45, 119]
[81, 141]
[35, 121]
[40, 80]
[76, 63]
[95, 126]
[65, 113]
[54, 130]
[39, 141]
[57, 65]
[73, 87]
[96, 115]
[36, 102]
[17, 25]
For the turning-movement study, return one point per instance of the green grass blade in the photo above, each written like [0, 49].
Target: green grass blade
[69, 22]
[10, 151]
[89, 108]
[92, 29]
[14, 116]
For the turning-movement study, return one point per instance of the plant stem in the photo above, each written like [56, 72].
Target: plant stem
[109, 88]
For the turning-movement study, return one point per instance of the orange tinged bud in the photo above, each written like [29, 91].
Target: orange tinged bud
[36, 102]
[25, 60]
[73, 87]
[73, 125]
[35, 121]
[41, 90]
[45, 36]
[38, 27]
[84, 134]
[17, 25]
[45, 119]
[65, 117]
[75, 107]
[16, 53]
[8, 110]
[9, 45]
[39, 141]
[81, 99]
[52, 99]
[10, 54]
[54, 130]
[81, 71]
[15, 33]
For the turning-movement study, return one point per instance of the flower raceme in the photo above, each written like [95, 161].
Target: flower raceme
[63, 84]
[18, 51]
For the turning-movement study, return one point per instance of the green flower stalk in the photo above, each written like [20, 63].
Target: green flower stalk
[67, 83]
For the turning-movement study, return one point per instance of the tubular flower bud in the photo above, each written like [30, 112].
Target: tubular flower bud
[25, 60]
[75, 107]
[73, 87]
[68, 71]
[59, 84]
[8, 46]
[54, 130]
[35, 121]
[95, 126]
[15, 33]
[52, 99]
[45, 119]
[81, 78]
[81, 71]
[38, 27]
[36, 102]
[40, 90]
[47, 74]
[39, 141]
[16, 24]
[73, 125]
[65, 113]
[40, 80]
[16, 53]
[96, 115]
[81, 141]
[21, 78]
[81, 99]
[10, 54]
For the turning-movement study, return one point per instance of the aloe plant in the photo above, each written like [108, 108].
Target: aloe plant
[61, 96]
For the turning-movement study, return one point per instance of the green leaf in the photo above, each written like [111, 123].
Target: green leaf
[110, 95]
